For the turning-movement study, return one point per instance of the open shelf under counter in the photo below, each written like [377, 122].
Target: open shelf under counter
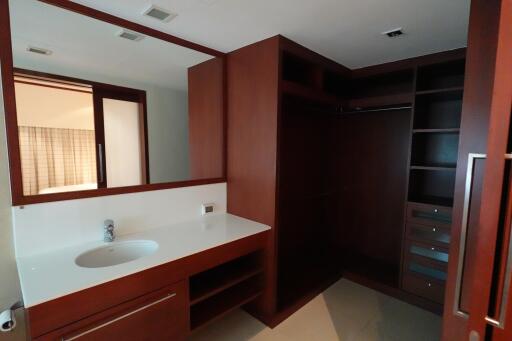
[218, 305]
[213, 281]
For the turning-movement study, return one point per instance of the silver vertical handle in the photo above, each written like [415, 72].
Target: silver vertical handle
[500, 321]
[463, 233]
[100, 161]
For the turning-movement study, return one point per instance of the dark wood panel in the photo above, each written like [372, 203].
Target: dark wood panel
[373, 156]
[206, 119]
[253, 85]
[9, 98]
[54, 314]
[478, 88]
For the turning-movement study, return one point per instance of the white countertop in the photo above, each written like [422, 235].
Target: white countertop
[50, 275]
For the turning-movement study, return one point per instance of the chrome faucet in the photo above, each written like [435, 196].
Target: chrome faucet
[108, 227]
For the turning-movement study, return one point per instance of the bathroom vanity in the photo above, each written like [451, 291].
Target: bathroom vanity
[201, 270]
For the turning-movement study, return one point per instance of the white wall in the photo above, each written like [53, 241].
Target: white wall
[44, 227]
[38, 106]
[9, 283]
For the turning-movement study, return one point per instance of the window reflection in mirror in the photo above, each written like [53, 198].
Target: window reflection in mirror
[97, 110]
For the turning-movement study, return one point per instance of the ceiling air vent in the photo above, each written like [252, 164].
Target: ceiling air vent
[159, 13]
[396, 32]
[130, 35]
[39, 50]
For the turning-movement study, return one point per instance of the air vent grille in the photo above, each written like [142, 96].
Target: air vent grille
[39, 50]
[159, 13]
[396, 32]
[130, 35]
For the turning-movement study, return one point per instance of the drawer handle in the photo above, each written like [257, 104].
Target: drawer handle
[434, 229]
[169, 296]
[463, 233]
[436, 210]
[429, 284]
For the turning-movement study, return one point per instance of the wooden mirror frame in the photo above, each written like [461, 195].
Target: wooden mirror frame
[11, 124]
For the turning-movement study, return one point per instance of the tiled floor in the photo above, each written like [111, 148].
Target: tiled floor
[346, 311]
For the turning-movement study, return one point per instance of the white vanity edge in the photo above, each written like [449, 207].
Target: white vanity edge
[54, 274]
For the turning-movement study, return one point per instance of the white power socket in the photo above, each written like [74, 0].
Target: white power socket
[207, 208]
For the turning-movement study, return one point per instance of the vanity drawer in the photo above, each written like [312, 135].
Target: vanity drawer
[431, 290]
[438, 235]
[429, 215]
[162, 315]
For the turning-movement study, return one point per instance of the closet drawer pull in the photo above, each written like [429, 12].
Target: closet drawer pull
[103, 325]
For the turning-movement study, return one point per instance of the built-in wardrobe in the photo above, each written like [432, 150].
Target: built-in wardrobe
[353, 169]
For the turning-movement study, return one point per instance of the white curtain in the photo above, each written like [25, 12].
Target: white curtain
[54, 157]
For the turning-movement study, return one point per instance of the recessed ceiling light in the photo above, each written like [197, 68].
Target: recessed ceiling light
[393, 33]
[133, 36]
[39, 50]
[159, 13]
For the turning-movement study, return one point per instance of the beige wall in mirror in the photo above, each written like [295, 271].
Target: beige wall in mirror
[72, 70]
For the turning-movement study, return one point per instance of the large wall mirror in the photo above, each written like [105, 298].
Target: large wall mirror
[102, 108]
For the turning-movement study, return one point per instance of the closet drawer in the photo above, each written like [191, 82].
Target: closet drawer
[426, 268]
[429, 234]
[429, 215]
[431, 290]
[427, 251]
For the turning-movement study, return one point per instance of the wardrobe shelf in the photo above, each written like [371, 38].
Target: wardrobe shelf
[440, 130]
[299, 90]
[207, 289]
[435, 168]
[439, 91]
[380, 101]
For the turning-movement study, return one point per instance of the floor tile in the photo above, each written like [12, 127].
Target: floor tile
[344, 312]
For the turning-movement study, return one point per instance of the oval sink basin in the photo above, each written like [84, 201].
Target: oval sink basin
[116, 253]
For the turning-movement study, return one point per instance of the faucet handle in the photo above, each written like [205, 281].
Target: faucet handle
[109, 225]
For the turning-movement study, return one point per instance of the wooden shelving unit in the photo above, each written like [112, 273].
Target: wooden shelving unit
[219, 290]
[433, 162]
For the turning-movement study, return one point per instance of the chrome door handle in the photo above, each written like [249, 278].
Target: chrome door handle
[100, 161]
[103, 325]
[500, 321]
[463, 233]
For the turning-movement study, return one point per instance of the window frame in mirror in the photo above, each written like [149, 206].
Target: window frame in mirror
[11, 124]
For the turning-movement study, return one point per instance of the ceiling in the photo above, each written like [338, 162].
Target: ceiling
[89, 49]
[347, 31]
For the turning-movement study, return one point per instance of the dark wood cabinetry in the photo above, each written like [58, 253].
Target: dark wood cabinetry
[161, 315]
[166, 302]
[354, 170]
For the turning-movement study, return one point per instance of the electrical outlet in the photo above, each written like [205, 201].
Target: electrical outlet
[207, 208]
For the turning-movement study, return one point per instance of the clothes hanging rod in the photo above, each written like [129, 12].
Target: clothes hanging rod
[376, 110]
